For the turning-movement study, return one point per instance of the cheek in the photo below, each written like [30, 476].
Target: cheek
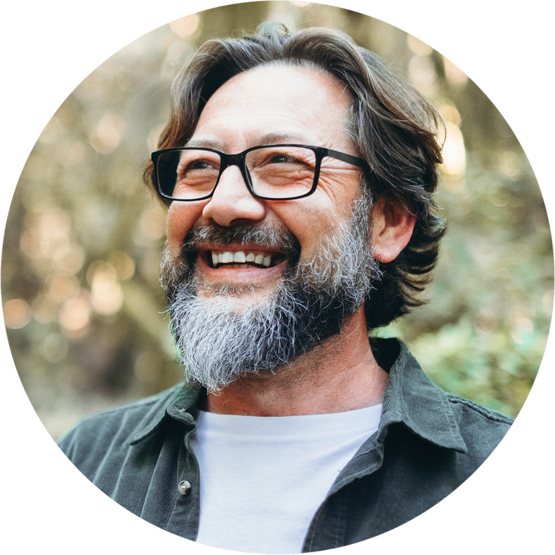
[181, 218]
[311, 223]
[319, 215]
[339, 193]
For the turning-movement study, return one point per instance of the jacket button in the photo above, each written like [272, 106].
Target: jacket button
[184, 487]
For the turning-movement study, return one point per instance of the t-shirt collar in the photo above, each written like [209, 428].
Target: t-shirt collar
[410, 397]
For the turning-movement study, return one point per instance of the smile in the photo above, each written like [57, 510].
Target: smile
[243, 259]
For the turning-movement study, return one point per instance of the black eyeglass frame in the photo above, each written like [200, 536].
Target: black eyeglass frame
[239, 161]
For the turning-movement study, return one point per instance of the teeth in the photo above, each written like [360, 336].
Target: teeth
[240, 257]
[225, 257]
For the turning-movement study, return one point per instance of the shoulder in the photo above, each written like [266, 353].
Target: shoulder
[107, 429]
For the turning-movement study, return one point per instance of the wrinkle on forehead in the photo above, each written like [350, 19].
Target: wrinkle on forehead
[277, 103]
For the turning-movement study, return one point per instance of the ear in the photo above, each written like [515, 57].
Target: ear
[392, 227]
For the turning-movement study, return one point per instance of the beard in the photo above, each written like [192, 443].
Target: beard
[219, 340]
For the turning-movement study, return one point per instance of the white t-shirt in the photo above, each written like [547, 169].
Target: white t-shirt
[262, 479]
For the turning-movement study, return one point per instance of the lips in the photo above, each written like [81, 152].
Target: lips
[224, 258]
[240, 261]
[242, 252]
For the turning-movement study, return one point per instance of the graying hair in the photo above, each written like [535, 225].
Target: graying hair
[219, 341]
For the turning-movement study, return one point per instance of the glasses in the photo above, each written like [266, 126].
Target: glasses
[271, 172]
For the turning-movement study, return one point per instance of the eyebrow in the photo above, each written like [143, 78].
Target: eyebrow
[262, 139]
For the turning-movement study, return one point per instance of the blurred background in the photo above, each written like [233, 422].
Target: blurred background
[83, 307]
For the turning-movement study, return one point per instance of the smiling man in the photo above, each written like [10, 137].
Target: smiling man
[269, 279]
[299, 174]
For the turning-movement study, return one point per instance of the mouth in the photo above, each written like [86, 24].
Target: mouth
[241, 264]
[220, 258]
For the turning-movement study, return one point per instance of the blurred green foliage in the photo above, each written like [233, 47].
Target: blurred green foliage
[80, 265]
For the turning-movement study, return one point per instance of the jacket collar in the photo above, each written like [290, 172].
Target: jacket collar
[177, 403]
[410, 397]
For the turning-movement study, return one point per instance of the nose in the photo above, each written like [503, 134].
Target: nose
[232, 203]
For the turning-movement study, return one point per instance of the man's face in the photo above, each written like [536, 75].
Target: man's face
[262, 106]
[245, 318]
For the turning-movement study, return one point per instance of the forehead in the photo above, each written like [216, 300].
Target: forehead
[277, 102]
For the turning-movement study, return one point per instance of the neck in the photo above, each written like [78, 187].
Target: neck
[337, 376]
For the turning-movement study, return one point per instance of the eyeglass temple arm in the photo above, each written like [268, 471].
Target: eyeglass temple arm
[345, 157]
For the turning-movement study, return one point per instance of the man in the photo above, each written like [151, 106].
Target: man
[299, 174]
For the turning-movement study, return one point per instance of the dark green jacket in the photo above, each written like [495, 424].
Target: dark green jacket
[427, 444]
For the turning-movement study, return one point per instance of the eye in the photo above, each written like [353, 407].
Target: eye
[282, 159]
[200, 165]
[292, 158]
[186, 166]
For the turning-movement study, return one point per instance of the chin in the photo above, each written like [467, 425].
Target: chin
[239, 296]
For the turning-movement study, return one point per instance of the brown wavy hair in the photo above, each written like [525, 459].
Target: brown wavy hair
[394, 128]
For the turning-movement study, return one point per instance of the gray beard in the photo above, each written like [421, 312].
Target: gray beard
[219, 340]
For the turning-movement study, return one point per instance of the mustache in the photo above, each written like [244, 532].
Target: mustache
[263, 235]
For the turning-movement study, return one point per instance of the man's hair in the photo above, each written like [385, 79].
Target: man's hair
[391, 125]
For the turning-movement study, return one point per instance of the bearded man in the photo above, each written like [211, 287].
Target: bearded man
[299, 174]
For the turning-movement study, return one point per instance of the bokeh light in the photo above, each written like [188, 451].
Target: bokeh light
[185, 26]
[75, 315]
[454, 154]
[106, 292]
[17, 313]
